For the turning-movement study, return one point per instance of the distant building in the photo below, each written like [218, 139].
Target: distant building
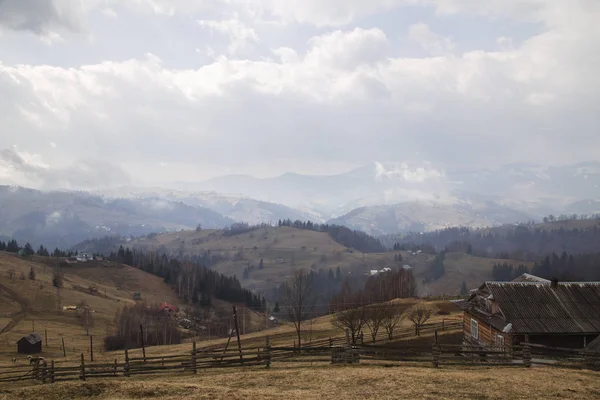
[30, 344]
[84, 257]
[168, 308]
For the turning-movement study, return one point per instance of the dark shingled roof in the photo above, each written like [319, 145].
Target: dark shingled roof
[32, 338]
[538, 308]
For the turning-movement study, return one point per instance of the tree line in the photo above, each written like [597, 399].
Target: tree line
[12, 246]
[505, 272]
[353, 305]
[569, 267]
[345, 236]
[526, 242]
[193, 282]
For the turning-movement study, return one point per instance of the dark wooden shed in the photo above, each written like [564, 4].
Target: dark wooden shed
[30, 344]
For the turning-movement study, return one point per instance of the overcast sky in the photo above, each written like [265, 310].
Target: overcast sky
[107, 92]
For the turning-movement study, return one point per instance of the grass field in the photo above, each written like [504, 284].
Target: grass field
[331, 382]
[35, 304]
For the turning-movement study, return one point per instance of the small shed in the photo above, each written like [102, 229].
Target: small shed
[30, 344]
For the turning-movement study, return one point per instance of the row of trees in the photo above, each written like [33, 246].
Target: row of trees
[354, 308]
[193, 282]
[345, 236]
[506, 272]
[158, 328]
[522, 242]
[12, 246]
[569, 267]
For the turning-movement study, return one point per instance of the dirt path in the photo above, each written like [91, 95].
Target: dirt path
[23, 303]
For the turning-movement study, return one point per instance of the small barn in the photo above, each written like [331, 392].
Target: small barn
[550, 313]
[30, 344]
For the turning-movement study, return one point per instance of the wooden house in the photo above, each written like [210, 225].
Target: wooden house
[30, 344]
[551, 313]
[168, 309]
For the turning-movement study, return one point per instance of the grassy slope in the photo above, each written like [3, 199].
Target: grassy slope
[310, 249]
[462, 267]
[295, 248]
[116, 284]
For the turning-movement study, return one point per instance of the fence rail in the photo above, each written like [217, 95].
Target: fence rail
[332, 350]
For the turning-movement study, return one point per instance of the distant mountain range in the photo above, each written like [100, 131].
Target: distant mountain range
[382, 198]
[395, 197]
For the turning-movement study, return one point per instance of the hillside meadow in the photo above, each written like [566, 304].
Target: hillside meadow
[285, 249]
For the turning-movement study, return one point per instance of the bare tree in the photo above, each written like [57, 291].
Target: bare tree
[419, 314]
[375, 316]
[392, 318]
[12, 275]
[85, 316]
[296, 296]
[350, 311]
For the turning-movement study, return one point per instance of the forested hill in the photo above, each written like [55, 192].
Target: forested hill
[191, 281]
[523, 242]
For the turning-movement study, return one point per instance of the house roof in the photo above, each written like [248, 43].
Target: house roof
[530, 278]
[32, 338]
[167, 306]
[534, 307]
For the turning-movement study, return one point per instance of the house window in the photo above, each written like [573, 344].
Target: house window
[474, 329]
[499, 341]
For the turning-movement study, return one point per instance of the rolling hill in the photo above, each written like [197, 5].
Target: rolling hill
[27, 305]
[285, 249]
[63, 218]
[427, 216]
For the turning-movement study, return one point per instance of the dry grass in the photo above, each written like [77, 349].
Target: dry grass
[332, 382]
[285, 249]
[116, 284]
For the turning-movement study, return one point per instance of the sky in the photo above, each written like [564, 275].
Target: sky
[99, 93]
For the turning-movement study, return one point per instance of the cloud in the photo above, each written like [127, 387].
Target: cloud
[345, 95]
[434, 44]
[407, 173]
[30, 170]
[41, 17]
[241, 37]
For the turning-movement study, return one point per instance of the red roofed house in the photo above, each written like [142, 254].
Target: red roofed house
[168, 308]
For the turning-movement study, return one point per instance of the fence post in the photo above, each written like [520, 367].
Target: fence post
[44, 371]
[436, 355]
[526, 355]
[268, 353]
[64, 348]
[82, 373]
[194, 370]
[52, 371]
[347, 336]
[115, 368]
[91, 348]
[126, 365]
[330, 342]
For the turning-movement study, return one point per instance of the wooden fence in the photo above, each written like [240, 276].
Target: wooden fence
[330, 351]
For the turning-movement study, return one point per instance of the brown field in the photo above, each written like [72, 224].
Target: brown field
[34, 304]
[285, 249]
[331, 382]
